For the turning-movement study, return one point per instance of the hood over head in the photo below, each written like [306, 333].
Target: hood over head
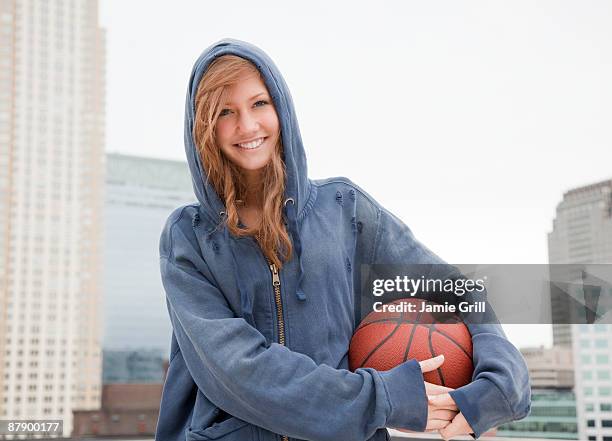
[297, 185]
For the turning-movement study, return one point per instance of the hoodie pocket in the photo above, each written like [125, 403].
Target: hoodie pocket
[231, 429]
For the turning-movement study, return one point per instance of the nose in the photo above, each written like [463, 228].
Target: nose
[247, 123]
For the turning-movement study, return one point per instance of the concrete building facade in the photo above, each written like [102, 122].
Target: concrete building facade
[582, 233]
[51, 193]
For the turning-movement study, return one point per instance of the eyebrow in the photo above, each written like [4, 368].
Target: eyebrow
[252, 98]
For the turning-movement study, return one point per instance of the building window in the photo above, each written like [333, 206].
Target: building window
[601, 343]
[603, 375]
[605, 391]
[605, 407]
[590, 423]
[602, 359]
[606, 423]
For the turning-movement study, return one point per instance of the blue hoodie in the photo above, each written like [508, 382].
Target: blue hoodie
[259, 354]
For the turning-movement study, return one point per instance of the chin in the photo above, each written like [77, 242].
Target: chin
[253, 167]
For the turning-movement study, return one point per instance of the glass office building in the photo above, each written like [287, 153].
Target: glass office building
[553, 415]
[140, 194]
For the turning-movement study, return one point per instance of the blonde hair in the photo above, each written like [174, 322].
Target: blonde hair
[227, 178]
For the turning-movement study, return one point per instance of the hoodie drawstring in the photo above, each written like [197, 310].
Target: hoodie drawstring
[297, 244]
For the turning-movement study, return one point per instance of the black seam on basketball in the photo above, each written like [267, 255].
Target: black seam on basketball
[433, 353]
[454, 342]
[414, 327]
[398, 324]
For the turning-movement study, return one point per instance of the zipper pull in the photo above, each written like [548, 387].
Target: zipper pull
[275, 278]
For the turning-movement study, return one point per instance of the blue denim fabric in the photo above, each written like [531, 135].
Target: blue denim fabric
[230, 379]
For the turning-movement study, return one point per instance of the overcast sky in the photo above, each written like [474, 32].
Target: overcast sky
[468, 120]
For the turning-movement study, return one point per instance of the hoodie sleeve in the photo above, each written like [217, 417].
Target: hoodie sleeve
[269, 385]
[500, 390]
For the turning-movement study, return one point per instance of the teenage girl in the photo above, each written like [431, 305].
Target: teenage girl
[261, 276]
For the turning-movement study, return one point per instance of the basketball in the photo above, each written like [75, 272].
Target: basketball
[386, 339]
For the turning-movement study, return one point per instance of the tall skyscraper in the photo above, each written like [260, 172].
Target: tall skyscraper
[51, 200]
[582, 233]
[140, 195]
[582, 228]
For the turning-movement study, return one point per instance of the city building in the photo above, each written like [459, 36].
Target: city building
[552, 416]
[553, 407]
[126, 410]
[140, 195]
[133, 366]
[550, 368]
[582, 233]
[51, 183]
[593, 349]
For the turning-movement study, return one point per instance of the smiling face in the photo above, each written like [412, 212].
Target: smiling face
[247, 130]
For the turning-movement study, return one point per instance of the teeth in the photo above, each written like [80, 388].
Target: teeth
[253, 144]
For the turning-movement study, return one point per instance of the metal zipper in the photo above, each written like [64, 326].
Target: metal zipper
[279, 311]
[279, 303]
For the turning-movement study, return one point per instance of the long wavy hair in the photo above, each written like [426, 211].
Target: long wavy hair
[226, 178]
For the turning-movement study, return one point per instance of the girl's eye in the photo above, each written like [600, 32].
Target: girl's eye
[259, 103]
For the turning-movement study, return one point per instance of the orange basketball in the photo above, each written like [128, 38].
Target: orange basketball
[386, 339]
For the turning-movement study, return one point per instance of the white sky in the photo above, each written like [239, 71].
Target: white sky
[466, 119]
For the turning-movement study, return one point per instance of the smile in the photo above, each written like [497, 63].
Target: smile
[251, 144]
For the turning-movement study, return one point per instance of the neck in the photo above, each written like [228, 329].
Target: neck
[252, 202]
[253, 181]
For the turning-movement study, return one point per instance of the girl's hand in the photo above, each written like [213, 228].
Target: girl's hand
[459, 425]
[438, 417]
